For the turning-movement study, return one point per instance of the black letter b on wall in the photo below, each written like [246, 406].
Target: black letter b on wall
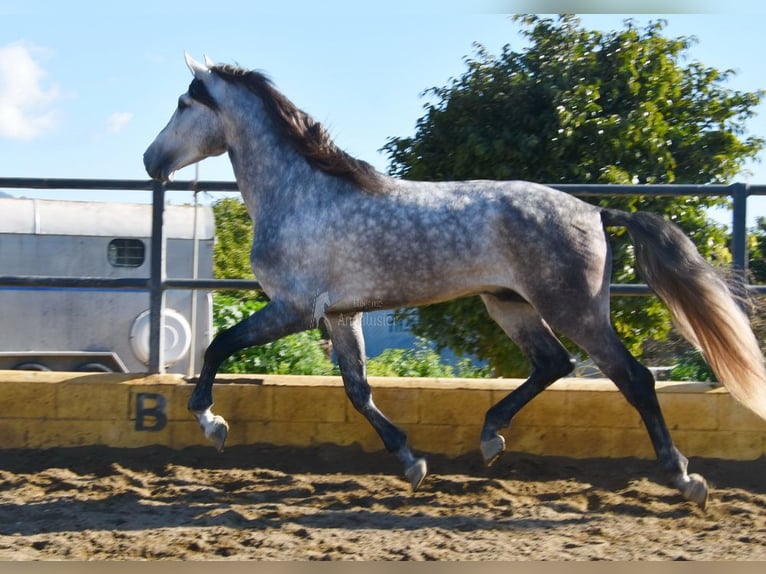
[150, 412]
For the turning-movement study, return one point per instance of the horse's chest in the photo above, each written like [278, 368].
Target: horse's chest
[279, 252]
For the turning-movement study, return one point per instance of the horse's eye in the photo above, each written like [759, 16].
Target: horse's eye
[182, 103]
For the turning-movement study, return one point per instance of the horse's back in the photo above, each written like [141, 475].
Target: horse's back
[517, 235]
[523, 199]
[526, 217]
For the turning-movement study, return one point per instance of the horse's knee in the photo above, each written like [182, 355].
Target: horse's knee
[638, 388]
[359, 393]
[551, 366]
[561, 366]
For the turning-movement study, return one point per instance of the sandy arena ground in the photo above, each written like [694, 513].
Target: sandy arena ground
[333, 503]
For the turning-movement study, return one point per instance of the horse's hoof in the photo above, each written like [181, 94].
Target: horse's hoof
[416, 472]
[491, 449]
[217, 432]
[696, 490]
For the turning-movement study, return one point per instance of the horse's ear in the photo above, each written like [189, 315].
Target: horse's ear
[209, 62]
[198, 70]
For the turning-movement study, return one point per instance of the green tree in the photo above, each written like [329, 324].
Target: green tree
[233, 238]
[581, 106]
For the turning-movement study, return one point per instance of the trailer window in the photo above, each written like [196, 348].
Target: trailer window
[126, 252]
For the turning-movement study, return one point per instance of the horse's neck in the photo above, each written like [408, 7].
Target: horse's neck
[265, 165]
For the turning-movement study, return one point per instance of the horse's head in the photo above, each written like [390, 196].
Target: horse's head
[194, 132]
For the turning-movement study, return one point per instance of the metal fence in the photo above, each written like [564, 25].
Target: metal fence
[157, 282]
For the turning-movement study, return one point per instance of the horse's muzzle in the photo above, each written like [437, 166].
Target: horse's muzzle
[157, 167]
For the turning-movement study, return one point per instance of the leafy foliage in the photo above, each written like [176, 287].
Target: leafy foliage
[580, 106]
[234, 236]
[299, 354]
[692, 367]
[420, 361]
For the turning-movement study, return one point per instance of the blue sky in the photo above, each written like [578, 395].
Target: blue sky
[85, 87]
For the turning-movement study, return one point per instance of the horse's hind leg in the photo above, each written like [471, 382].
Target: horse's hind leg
[548, 358]
[272, 322]
[637, 384]
[348, 344]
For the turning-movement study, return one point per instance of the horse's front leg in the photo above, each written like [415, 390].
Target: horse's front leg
[272, 322]
[348, 344]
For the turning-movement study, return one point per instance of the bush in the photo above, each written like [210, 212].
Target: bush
[304, 353]
[420, 361]
[692, 367]
[298, 354]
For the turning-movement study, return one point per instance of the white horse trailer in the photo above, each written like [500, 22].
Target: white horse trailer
[86, 329]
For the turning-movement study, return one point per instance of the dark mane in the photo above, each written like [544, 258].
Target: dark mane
[307, 135]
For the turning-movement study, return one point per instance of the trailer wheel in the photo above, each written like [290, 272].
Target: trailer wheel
[31, 366]
[93, 368]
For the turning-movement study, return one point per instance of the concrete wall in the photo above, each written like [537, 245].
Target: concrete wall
[575, 417]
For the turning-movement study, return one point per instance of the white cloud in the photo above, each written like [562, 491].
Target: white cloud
[118, 120]
[26, 105]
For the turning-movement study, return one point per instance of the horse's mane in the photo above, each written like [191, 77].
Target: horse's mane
[307, 136]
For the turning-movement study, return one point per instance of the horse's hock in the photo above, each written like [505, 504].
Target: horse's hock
[575, 417]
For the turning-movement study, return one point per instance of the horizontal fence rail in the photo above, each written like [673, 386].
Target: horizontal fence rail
[157, 282]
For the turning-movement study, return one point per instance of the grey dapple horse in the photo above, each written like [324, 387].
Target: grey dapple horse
[334, 238]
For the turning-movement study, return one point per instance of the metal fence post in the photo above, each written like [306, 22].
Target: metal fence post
[739, 193]
[157, 282]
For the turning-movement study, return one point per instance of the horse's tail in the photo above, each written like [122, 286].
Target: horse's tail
[703, 307]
